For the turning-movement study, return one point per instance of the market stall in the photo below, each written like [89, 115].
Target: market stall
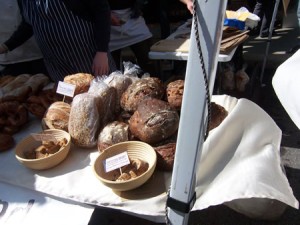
[239, 161]
[255, 158]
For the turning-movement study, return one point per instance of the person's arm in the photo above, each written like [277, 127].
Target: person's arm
[189, 5]
[22, 34]
[101, 13]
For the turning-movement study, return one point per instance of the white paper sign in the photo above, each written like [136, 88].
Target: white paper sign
[66, 89]
[116, 162]
[44, 137]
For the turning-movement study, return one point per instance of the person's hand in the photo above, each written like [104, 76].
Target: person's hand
[3, 49]
[189, 5]
[100, 64]
[115, 20]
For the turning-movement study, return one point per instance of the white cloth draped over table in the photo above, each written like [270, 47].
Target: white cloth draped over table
[20, 206]
[240, 160]
[286, 83]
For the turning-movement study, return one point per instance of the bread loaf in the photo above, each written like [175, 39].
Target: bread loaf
[139, 90]
[13, 115]
[165, 156]
[218, 114]
[16, 83]
[154, 121]
[37, 82]
[113, 133]
[7, 141]
[23, 86]
[84, 121]
[82, 81]
[57, 116]
[174, 92]
[108, 95]
[120, 82]
[4, 80]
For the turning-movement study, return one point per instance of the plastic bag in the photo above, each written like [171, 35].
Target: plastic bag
[84, 120]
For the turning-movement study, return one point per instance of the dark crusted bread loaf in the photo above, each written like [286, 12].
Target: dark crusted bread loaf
[218, 114]
[154, 121]
[141, 89]
[175, 93]
[165, 156]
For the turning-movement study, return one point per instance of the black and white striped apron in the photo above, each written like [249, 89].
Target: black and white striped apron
[66, 41]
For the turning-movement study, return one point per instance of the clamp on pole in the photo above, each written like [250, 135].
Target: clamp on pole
[181, 206]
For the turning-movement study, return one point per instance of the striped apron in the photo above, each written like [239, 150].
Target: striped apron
[66, 41]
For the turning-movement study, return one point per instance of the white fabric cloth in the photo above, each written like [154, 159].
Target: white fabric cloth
[286, 83]
[9, 19]
[240, 160]
[27, 207]
[131, 32]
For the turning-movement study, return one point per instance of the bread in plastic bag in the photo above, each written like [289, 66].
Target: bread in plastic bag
[84, 122]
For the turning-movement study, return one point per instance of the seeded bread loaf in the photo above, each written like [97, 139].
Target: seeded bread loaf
[149, 87]
[84, 124]
[175, 93]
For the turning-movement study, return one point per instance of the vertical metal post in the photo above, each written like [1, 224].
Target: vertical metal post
[192, 126]
[269, 41]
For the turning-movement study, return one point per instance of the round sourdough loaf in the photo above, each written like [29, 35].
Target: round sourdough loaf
[113, 133]
[57, 116]
[165, 156]
[154, 121]
[175, 93]
[139, 90]
[218, 114]
[82, 81]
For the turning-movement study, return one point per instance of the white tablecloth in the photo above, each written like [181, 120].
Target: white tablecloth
[20, 206]
[286, 83]
[240, 160]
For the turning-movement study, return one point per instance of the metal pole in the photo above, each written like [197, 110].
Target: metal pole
[269, 41]
[192, 126]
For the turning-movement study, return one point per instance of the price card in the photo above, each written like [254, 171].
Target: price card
[116, 162]
[66, 89]
[44, 137]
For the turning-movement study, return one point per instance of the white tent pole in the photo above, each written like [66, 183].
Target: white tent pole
[269, 41]
[192, 126]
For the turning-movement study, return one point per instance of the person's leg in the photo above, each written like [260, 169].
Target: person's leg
[163, 18]
[268, 7]
[258, 8]
[117, 58]
[141, 51]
